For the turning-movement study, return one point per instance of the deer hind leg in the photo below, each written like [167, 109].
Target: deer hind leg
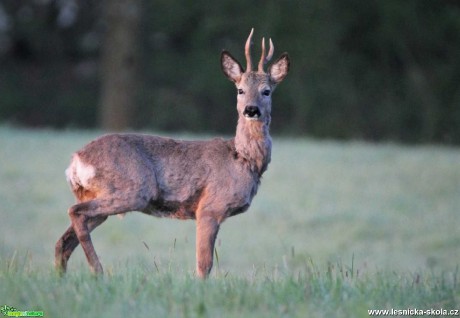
[206, 233]
[81, 215]
[69, 241]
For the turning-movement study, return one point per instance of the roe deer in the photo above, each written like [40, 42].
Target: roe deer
[208, 181]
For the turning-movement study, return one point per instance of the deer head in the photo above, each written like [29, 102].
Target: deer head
[254, 88]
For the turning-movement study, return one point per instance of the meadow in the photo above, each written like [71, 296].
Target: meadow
[337, 229]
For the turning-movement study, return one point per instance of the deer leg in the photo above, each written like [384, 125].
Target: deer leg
[81, 213]
[69, 241]
[206, 233]
[80, 226]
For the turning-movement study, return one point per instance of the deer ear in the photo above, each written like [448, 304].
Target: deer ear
[230, 66]
[279, 69]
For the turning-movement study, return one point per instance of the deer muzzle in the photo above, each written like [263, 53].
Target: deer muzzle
[252, 112]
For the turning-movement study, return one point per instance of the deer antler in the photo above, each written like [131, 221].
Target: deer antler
[247, 52]
[264, 59]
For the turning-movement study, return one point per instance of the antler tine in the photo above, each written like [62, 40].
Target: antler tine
[270, 51]
[264, 59]
[247, 52]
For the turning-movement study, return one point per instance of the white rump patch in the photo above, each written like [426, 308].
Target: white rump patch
[79, 173]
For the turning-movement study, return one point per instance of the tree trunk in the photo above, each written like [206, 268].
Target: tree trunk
[119, 62]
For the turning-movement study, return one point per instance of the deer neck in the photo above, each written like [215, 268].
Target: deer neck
[253, 143]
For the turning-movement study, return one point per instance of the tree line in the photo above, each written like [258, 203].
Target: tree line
[372, 70]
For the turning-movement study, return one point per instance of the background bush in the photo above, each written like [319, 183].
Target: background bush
[360, 69]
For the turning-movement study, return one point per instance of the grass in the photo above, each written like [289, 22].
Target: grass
[336, 229]
[137, 290]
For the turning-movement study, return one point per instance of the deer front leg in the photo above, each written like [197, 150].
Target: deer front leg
[206, 233]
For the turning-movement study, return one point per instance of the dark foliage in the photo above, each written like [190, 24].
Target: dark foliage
[374, 70]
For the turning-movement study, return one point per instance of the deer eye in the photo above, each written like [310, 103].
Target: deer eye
[240, 91]
[266, 92]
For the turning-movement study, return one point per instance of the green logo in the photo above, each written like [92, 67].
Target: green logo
[6, 309]
[13, 312]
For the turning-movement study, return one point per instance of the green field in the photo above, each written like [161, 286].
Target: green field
[337, 228]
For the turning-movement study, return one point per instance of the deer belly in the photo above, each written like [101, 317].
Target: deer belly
[237, 210]
[170, 209]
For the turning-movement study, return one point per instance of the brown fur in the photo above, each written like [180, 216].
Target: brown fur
[203, 180]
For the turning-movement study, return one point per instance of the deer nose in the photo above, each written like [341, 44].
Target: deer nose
[251, 112]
